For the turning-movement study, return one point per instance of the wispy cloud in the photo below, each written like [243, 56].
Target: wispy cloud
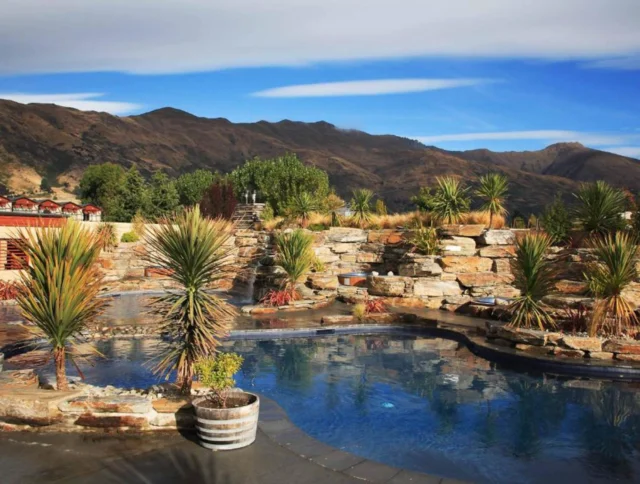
[630, 151]
[177, 36]
[84, 101]
[549, 135]
[368, 88]
[630, 63]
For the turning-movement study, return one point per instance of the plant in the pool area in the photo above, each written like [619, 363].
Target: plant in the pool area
[275, 298]
[576, 319]
[295, 256]
[375, 306]
[450, 200]
[361, 206]
[614, 270]
[59, 287]
[534, 277]
[359, 311]
[195, 252]
[493, 190]
[216, 373]
[425, 240]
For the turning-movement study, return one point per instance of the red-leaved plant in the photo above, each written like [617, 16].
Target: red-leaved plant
[375, 306]
[8, 290]
[575, 319]
[280, 297]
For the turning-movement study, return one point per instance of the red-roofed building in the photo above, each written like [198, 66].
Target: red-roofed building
[24, 204]
[91, 213]
[5, 204]
[49, 206]
[72, 210]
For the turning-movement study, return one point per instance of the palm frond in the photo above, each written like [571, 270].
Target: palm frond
[450, 200]
[493, 190]
[361, 206]
[294, 256]
[600, 208]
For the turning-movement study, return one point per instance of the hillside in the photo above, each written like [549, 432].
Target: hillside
[39, 140]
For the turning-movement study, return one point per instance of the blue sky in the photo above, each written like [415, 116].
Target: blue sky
[502, 74]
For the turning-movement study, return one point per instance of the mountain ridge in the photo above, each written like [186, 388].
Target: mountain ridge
[39, 140]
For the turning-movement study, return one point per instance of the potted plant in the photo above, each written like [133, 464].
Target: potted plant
[226, 418]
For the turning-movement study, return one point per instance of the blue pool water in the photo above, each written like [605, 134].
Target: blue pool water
[429, 405]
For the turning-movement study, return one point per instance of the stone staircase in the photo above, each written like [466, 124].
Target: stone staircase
[245, 215]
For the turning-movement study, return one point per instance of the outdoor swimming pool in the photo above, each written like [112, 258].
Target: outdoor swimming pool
[427, 404]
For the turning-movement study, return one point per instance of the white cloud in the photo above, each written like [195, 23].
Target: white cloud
[548, 135]
[84, 101]
[630, 151]
[368, 88]
[148, 36]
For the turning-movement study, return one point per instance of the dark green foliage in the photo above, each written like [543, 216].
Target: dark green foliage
[129, 237]
[278, 180]
[600, 208]
[191, 187]
[556, 221]
[162, 196]
[423, 200]
[45, 185]
[451, 199]
[102, 185]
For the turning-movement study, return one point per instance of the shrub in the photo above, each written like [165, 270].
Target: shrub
[317, 227]
[60, 286]
[425, 240]
[361, 206]
[294, 256]
[107, 236]
[423, 200]
[359, 311]
[556, 222]
[318, 265]
[194, 252]
[534, 278]
[483, 218]
[267, 213]
[333, 202]
[493, 190]
[129, 237]
[375, 306]
[216, 373]
[277, 298]
[219, 201]
[451, 199]
[8, 290]
[600, 208]
[138, 225]
[381, 208]
[607, 279]
[575, 319]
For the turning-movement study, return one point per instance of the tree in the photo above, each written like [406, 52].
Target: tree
[219, 200]
[134, 195]
[601, 207]
[195, 252]
[556, 222]
[163, 196]
[301, 206]
[450, 200]
[493, 190]
[45, 185]
[279, 180]
[102, 186]
[60, 286]
[361, 205]
[423, 200]
[191, 187]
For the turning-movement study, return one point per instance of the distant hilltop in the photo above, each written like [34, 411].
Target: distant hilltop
[48, 141]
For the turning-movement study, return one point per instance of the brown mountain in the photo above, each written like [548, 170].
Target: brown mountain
[39, 140]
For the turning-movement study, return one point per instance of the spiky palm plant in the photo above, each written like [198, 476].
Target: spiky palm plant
[60, 285]
[493, 190]
[194, 252]
[534, 277]
[361, 206]
[295, 256]
[301, 207]
[600, 208]
[107, 236]
[607, 279]
[450, 200]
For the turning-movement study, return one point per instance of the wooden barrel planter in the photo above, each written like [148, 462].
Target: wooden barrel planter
[228, 428]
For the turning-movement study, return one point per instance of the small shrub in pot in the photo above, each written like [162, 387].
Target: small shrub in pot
[226, 418]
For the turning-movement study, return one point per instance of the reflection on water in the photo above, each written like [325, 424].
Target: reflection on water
[429, 405]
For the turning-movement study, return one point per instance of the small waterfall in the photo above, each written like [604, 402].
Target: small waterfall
[247, 297]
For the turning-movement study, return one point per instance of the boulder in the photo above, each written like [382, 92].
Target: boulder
[106, 421]
[323, 281]
[457, 246]
[337, 319]
[459, 264]
[566, 353]
[342, 248]
[435, 288]
[482, 279]
[623, 346]
[18, 379]
[424, 266]
[369, 257]
[498, 251]
[386, 285]
[387, 236]
[580, 343]
[502, 291]
[534, 350]
[564, 302]
[171, 405]
[32, 406]
[344, 234]
[106, 404]
[497, 237]
[627, 357]
[600, 355]
[473, 230]
[524, 336]
[571, 287]
[502, 266]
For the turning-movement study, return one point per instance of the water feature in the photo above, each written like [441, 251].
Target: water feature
[428, 404]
